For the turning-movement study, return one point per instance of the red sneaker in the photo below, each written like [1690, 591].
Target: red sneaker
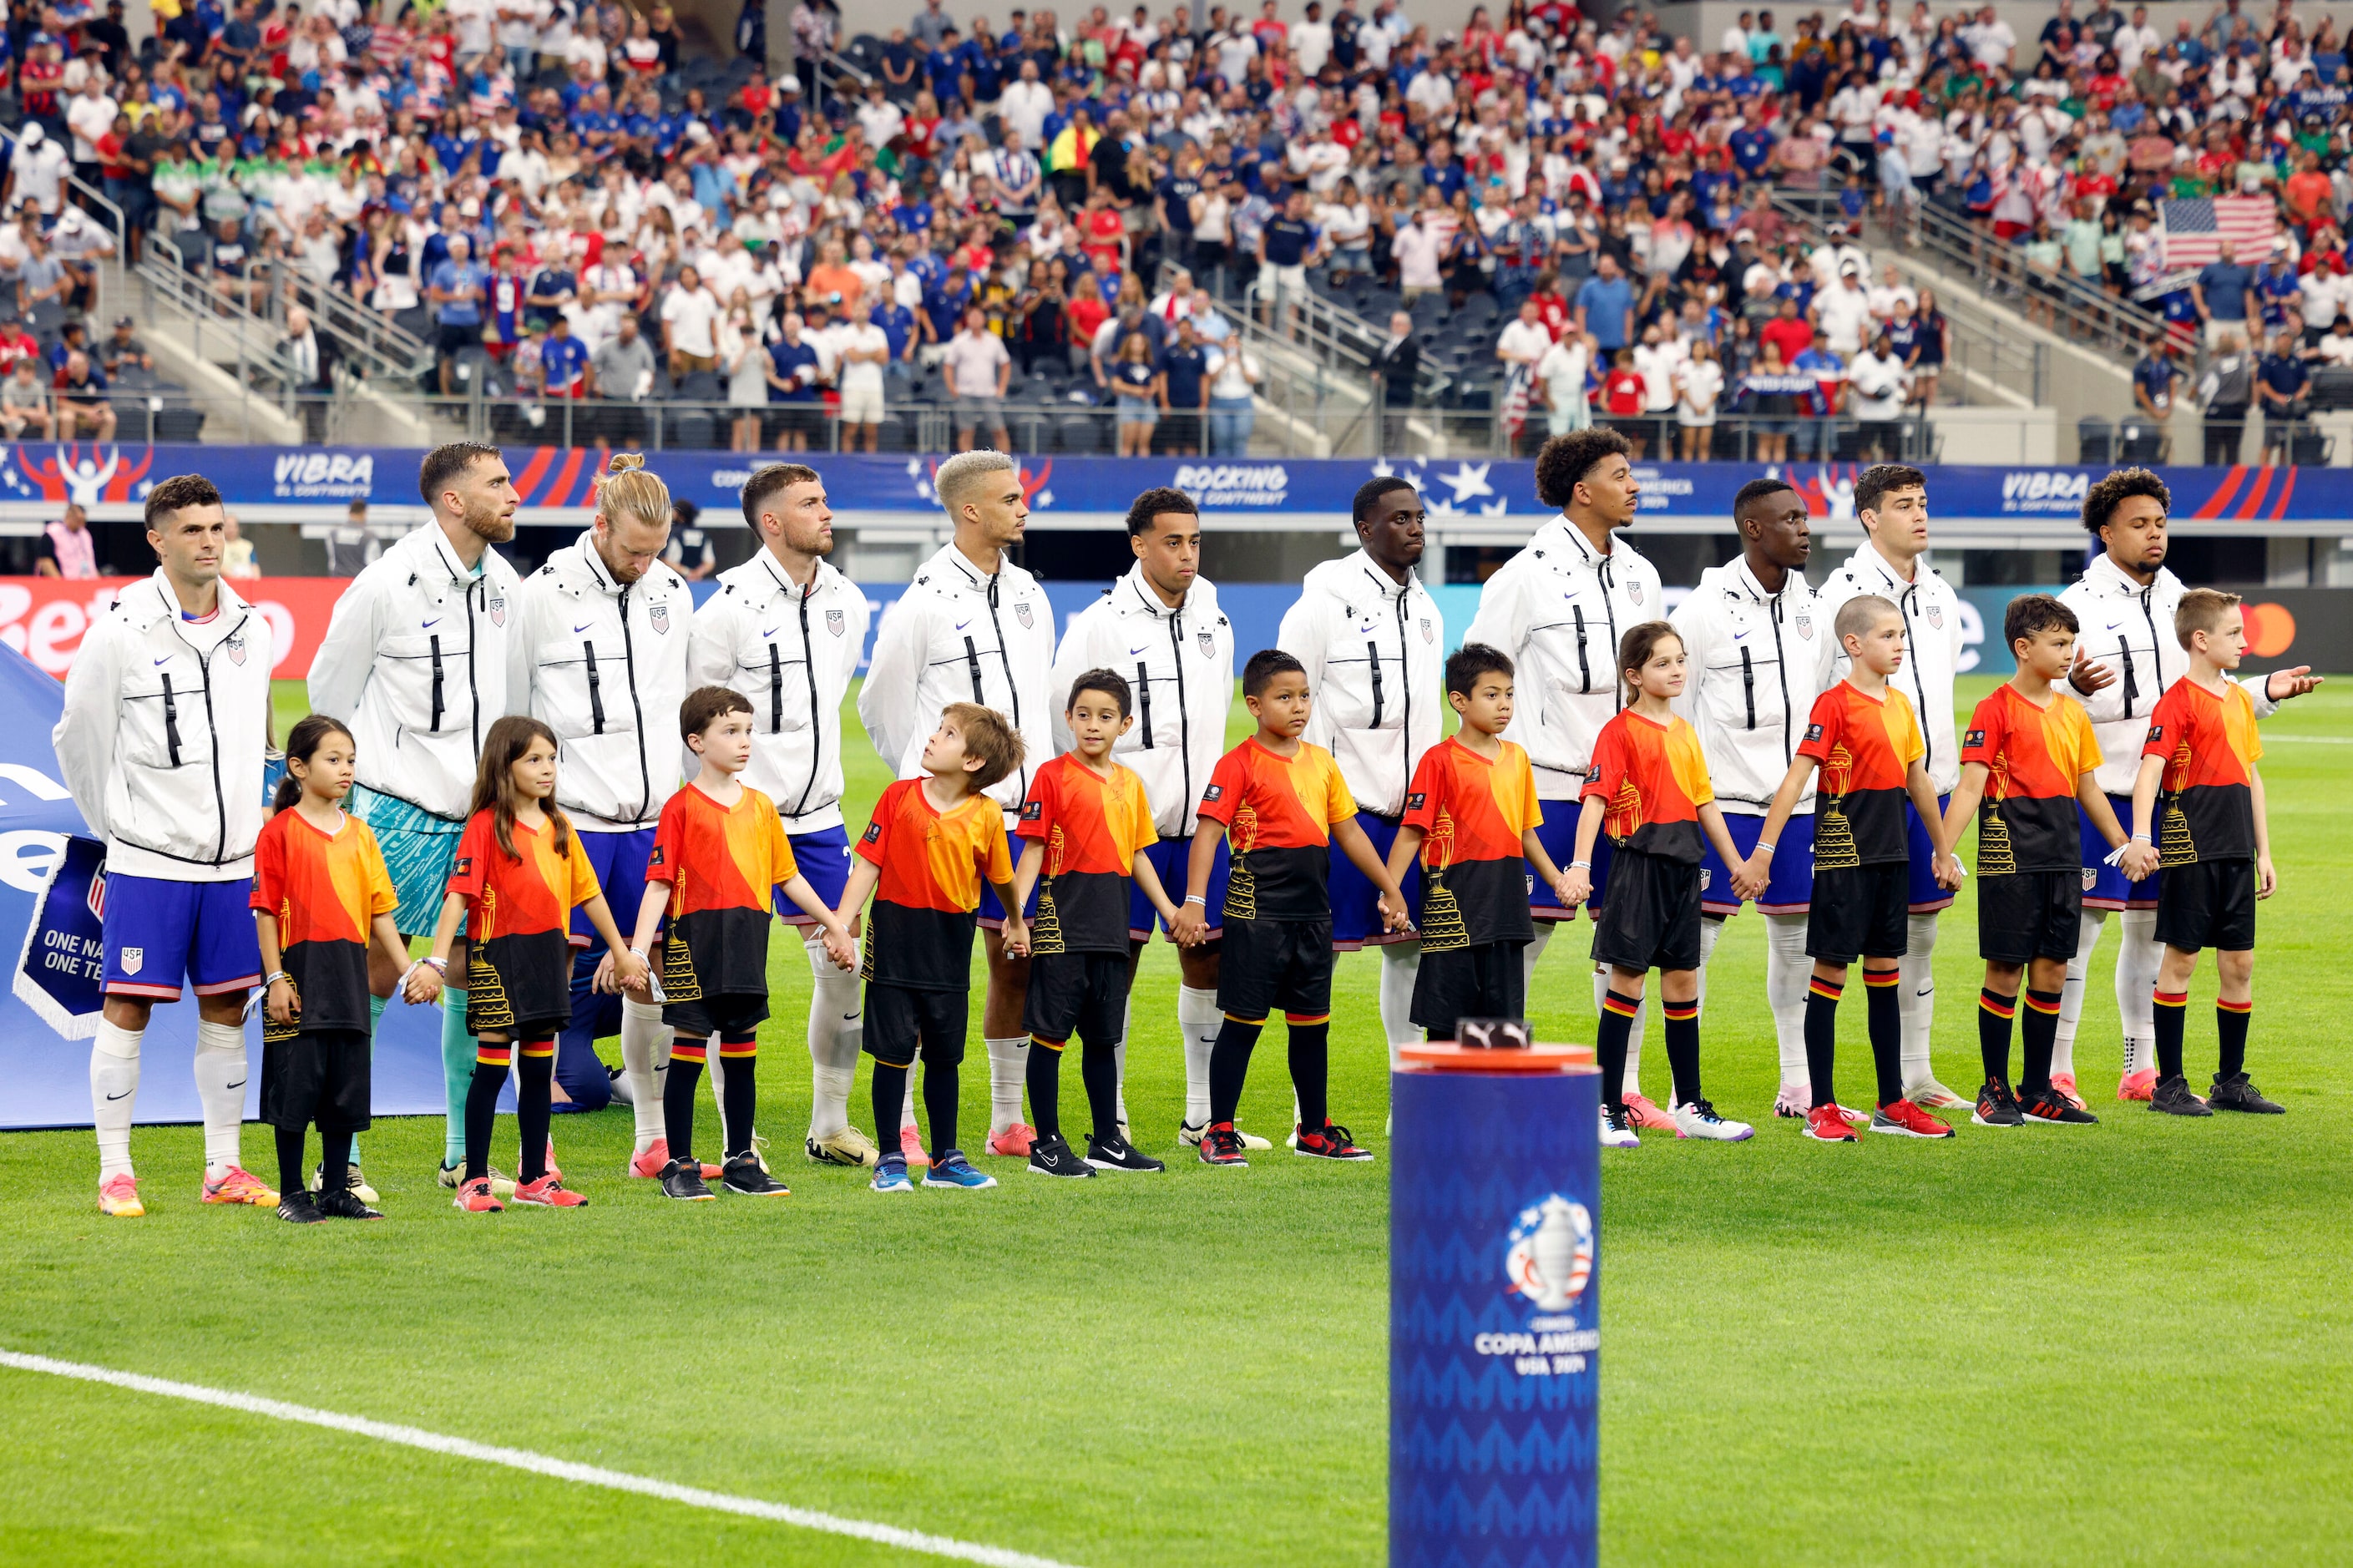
[1221, 1145]
[1903, 1119]
[1827, 1125]
[650, 1164]
[474, 1197]
[548, 1192]
[1331, 1142]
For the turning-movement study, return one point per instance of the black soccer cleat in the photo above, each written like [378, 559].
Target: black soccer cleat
[2173, 1097]
[344, 1204]
[745, 1175]
[2049, 1108]
[1997, 1107]
[299, 1207]
[683, 1180]
[2235, 1093]
[1116, 1154]
[1054, 1157]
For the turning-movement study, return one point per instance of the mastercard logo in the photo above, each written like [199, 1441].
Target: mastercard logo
[2270, 629]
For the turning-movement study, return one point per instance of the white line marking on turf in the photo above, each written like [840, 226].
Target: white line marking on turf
[2314, 740]
[537, 1464]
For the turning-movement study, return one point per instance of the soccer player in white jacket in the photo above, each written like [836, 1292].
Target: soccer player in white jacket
[415, 660]
[1161, 628]
[166, 717]
[786, 630]
[1557, 609]
[1374, 648]
[1760, 655]
[599, 656]
[1890, 500]
[2126, 656]
[972, 627]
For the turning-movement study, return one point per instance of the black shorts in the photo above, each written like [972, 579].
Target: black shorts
[2027, 915]
[1486, 981]
[1862, 911]
[901, 1022]
[1270, 963]
[717, 1017]
[1651, 921]
[453, 337]
[1082, 993]
[2207, 904]
[321, 1078]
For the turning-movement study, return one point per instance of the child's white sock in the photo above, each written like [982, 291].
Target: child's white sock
[1008, 1074]
[645, 1065]
[836, 1033]
[1400, 962]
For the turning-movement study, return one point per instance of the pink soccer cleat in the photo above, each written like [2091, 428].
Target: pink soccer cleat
[239, 1186]
[118, 1197]
[649, 1165]
[2064, 1084]
[2133, 1084]
[547, 1193]
[910, 1144]
[1644, 1114]
[1014, 1141]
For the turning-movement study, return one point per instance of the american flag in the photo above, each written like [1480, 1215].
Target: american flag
[2193, 231]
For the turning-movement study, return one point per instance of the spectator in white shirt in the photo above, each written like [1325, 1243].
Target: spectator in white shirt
[690, 319]
[862, 350]
[1421, 248]
[1025, 104]
[1524, 340]
[1310, 42]
[1844, 312]
[2336, 350]
[1699, 384]
[1877, 376]
[1560, 379]
[1890, 289]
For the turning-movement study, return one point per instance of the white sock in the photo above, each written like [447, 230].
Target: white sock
[836, 1033]
[1534, 950]
[113, 1092]
[1008, 1074]
[1915, 999]
[1400, 962]
[714, 1069]
[907, 1110]
[2136, 965]
[220, 1085]
[645, 1065]
[1633, 1085]
[1787, 974]
[1119, 1060]
[2071, 993]
[1198, 1021]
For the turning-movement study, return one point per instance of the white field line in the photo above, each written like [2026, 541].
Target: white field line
[2312, 740]
[538, 1464]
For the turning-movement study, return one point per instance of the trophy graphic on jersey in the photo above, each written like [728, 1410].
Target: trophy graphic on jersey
[1442, 916]
[1833, 835]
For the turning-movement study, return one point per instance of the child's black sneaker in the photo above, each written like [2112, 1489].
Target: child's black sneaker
[683, 1180]
[2235, 1093]
[1054, 1157]
[300, 1207]
[1116, 1154]
[1997, 1107]
[744, 1174]
[344, 1204]
[1330, 1141]
[2173, 1097]
[2051, 1109]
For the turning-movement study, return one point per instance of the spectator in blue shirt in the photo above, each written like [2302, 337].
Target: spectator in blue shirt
[1184, 392]
[553, 286]
[794, 370]
[565, 358]
[2154, 379]
[1605, 302]
[2220, 292]
[456, 289]
[898, 324]
[2282, 380]
[1826, 369]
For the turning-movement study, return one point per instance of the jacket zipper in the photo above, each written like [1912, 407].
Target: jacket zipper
[1373, 657]
[638, 712]
[171, 723]
[1143, 700]
[211, 729]
[1184, 708]
[776, 690]
[1602, 575]
[473, 691]
[817, 721]
[972, 663]
[2155, 651]
[1781, 663]
[1748, 686]
[1003, 657]
[1919, 682]
[1405, 728]
[1584, 667]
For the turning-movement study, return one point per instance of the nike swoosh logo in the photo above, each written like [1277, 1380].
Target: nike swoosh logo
[238, 1084]
[166, 659]
[1132, 652]
[582, 628]
[961, 624]
[849, 1018]
[431, 624]
[1738, 636]
[124, 1095]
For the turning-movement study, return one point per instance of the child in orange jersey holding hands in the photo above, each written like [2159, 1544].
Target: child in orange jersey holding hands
[1648, 789]
[719, 851]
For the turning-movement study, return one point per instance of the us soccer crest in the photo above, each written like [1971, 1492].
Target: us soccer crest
[660, 617]
[1427, 634]
[1634, 591]
[96, 898]
[497, 609]
[234, 649]
[1021, 613]
[1208, 643]
[1549, 1257]
[1937, 616]
[833, 622]
[133, 958]
[1805, 625]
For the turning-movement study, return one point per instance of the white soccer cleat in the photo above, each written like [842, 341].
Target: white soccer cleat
[1930, 1095]
[1618, 1131]
[1794, 1101]
[1697, 1118]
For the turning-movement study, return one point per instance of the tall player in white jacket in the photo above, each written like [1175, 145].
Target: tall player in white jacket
[166, 715]
[1374, 648]
[972, 627]
[1161, 628]
[415, 660]
[2126, 656]
[1760, 655]
[785, 629]
[1558, 609]
[599, 656]
[1890, 500]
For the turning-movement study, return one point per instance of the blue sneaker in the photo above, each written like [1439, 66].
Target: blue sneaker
[951, 1169]
[890, 1175]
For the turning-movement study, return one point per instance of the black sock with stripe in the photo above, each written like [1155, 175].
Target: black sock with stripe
[1229, 1066]
[1994, 1014]
[890, 1093]
[2171, 1011]
[1099, 1071]
[490, 1062]
[1821, 1038]
[1311, 1068]
[1883, 1012]
[739, 1097]
[1682, 1047]
[685, 1075]
[534, 1106]
[2231, 1019]
[1610, 1038]
[1044, 1077]
[2038, 1036]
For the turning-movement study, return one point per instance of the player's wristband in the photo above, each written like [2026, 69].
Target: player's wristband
[1197, 898]
[1762, 848]
[274, 976]
[2140, 837]
[1580, 864]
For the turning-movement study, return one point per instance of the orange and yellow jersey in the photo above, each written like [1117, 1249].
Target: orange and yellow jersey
[1278, 814]
[529, 893]
[933, 863]
[1653, 777]
[1092, 828]
[723, 864]
[1866, 746]
[2207, 810]
[1474, 811]
[2035, 759]
[326, 889]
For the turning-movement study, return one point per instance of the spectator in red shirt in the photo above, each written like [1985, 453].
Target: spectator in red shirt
[1788, 331]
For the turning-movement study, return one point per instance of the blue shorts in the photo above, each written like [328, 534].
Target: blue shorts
[619, 859]
[1173, 859]
[1356, 902]
[2105, 887]
[823, 858]
[1558, 833]
[992, 912]
[156, 931]
[418, 848]
[1790, 891]
[1927, 896]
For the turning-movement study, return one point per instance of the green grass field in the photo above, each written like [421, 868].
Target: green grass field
[2130, 1344]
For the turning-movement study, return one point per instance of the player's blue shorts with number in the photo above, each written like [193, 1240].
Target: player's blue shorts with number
[2105, 887]
[1791, 888]
[823, 858]
[1172, 858]
[1558, 833]
[992, 912]
[1356, 902]
[158, 933]
[1927, 896]
[418, 848]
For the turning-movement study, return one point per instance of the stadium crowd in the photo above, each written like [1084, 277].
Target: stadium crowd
[977, 211]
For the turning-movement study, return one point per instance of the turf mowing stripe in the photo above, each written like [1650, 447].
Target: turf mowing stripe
[538, 1464]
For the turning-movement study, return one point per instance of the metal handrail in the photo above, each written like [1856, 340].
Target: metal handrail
[1333, 335]
[370, 345]
[97, 201]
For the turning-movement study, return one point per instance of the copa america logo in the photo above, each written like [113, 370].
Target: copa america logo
[1549, 1255]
